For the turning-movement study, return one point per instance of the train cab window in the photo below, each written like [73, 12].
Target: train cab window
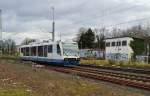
[27, 51]
[113, 43]
[40, 51]
[107, 44]
[33, 51]
[58, 49]
[50, 49]
[45, 51]
[124, 43]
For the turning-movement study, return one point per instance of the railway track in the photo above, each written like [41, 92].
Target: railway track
[116, 73]
[133, 70]
[121, 78]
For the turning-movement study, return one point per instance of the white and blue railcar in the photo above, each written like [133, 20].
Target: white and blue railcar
[56, 53]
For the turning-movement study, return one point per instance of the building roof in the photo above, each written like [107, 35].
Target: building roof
[124, 37]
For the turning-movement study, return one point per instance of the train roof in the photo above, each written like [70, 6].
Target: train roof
[40, 43]
[44, 43]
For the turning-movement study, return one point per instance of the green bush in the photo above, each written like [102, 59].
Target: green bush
[111, 62]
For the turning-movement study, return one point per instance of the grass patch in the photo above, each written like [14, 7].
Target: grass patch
[96, 62]
[116, 63]
[14, 92]
[9, 57]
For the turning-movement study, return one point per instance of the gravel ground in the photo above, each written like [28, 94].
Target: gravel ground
[21, 79]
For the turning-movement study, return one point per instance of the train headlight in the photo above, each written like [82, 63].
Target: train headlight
[71, 59]
[65, 59]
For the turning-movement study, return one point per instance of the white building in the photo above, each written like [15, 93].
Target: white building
[118, 48]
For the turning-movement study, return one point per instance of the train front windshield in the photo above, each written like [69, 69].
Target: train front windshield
[70, 49]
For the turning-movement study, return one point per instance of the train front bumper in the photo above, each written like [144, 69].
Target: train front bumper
[71, 61]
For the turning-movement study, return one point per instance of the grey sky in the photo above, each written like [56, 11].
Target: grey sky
[32, 18]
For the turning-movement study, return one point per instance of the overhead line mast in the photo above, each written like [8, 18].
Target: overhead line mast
[53, 24]
[0, 24]
[0, 31]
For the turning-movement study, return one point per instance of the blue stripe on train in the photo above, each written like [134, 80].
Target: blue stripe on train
[49, 61]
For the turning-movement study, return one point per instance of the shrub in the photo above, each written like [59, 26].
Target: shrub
[111, 62]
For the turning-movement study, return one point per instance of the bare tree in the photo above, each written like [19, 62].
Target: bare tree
[26, 41]
[9, 47]
[100, 36]
[136, 31]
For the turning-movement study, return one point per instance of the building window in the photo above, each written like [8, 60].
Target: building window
[107, 44]
[124, 43]
[50, 49]
[113, 43]
[119, 43]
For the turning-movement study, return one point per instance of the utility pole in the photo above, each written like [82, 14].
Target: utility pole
[53, 24]
[1, 31]
[60, 36]
[148, 41]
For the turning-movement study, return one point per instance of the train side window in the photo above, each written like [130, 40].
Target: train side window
[24, 52]
[27, 51]
[33, 51]
[58, 49]
[50, 49]
[40, 51]
[45, 51]
[21, 50]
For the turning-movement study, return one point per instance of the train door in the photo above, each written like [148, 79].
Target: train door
[58, 54]
[58, 49]
[50, 51]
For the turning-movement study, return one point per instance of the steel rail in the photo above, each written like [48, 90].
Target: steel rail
[117, 79]
[133, 70]
[128, 75]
